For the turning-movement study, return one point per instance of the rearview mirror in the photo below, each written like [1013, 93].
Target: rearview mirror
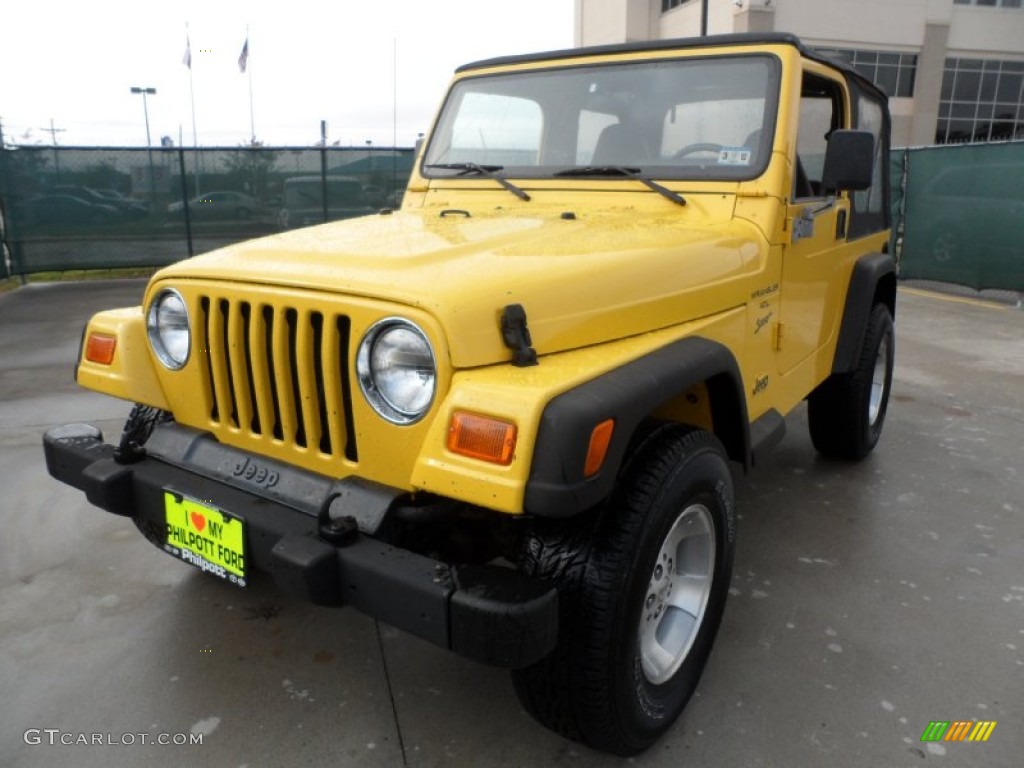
[849, 160]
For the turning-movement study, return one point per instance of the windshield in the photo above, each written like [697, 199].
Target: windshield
[706, 118]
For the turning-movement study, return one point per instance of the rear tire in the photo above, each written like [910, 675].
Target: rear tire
[641, 586]
[846, 413]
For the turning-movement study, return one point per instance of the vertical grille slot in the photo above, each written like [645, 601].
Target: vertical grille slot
[317, 321]
[330, 364]
[307, 378]
[291, 318]
[220, 369]
[261, 377]
[247, 334]
[344, 333]
[283, 362]
[204, 305]
[238, 370]
[274, 339]
[224, 335]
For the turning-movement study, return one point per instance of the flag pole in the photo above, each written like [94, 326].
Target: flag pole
[252, 114]
[192, 94]
[394, 115]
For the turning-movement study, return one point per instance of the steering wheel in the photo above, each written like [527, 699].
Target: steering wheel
[692, 149]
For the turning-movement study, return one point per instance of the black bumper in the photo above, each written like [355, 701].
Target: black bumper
[487, 613]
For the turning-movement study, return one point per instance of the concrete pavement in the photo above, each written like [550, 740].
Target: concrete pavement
[868, 600]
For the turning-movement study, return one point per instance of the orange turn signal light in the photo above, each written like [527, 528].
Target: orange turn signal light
[100, 348]
[482, 437]
[600, 439]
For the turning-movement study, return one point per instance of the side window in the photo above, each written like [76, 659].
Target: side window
[870, 209]
[820, 114]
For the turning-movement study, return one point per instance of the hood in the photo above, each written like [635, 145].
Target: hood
[582, 281]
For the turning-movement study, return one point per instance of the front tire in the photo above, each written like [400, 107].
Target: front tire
[642, 585]
[138, 428]
[846, 413]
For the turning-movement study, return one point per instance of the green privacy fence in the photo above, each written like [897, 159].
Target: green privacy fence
[958, 211]
[960, 218]
[98, 208]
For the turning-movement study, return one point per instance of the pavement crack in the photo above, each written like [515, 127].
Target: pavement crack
[391, 693]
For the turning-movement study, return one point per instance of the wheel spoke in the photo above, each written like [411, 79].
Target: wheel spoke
[655, 657]
[688, 593]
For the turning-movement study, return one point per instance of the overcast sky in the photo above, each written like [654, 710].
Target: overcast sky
[75, 62]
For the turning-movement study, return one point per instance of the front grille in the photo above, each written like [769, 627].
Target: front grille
[279, 373]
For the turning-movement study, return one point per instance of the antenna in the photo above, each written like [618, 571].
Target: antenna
[53, 131]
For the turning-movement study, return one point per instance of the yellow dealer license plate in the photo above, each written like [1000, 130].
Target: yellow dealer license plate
[206, 537]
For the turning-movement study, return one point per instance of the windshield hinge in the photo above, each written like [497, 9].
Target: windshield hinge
[516, 336]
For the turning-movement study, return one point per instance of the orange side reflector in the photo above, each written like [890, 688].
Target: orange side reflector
[482, 437]
[600, 439]
[100, 348]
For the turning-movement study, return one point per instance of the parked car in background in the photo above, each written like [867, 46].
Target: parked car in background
[303, 200]
[5, 252]
[117, 196]
[962, 225]
[64, 211]
[128, 209]
[224, 205]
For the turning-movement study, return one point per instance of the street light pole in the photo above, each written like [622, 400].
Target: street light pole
[149, 146]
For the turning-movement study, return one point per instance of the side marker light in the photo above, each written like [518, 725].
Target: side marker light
[482, 437]
[600, 439]
[99, 348]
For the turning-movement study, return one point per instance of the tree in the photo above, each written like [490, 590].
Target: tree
[248, 168]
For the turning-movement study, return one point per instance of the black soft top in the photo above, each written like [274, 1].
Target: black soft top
[712, 41]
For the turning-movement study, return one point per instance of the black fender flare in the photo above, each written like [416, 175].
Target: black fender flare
[557, 486]
[873, 280]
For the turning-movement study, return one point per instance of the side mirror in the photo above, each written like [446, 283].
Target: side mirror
[849, 160]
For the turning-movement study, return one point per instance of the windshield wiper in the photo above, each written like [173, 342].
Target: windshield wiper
[490, 171]
[622, 170]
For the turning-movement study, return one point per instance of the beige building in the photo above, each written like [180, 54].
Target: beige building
[954, 69]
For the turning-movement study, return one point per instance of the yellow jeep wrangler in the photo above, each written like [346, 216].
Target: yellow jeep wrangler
[502, 417]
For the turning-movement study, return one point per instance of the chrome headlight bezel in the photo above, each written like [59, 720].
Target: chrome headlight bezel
[156, 332]
[383, 402]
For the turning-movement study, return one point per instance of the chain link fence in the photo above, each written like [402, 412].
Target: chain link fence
[960, 218]
[958, 210]
[90, 208]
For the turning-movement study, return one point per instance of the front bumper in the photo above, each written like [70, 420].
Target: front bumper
[311, 535]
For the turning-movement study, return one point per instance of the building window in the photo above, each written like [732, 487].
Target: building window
[668, 5]
[991, 3]
[982, 100]
[892, 72]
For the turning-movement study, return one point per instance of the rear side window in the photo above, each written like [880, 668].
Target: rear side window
[869, 118]
[870, 209]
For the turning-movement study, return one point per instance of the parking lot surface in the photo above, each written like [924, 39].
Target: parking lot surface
[868, 600]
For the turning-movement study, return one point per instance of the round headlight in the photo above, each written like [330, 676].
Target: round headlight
[396, 370]
[168, 328]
